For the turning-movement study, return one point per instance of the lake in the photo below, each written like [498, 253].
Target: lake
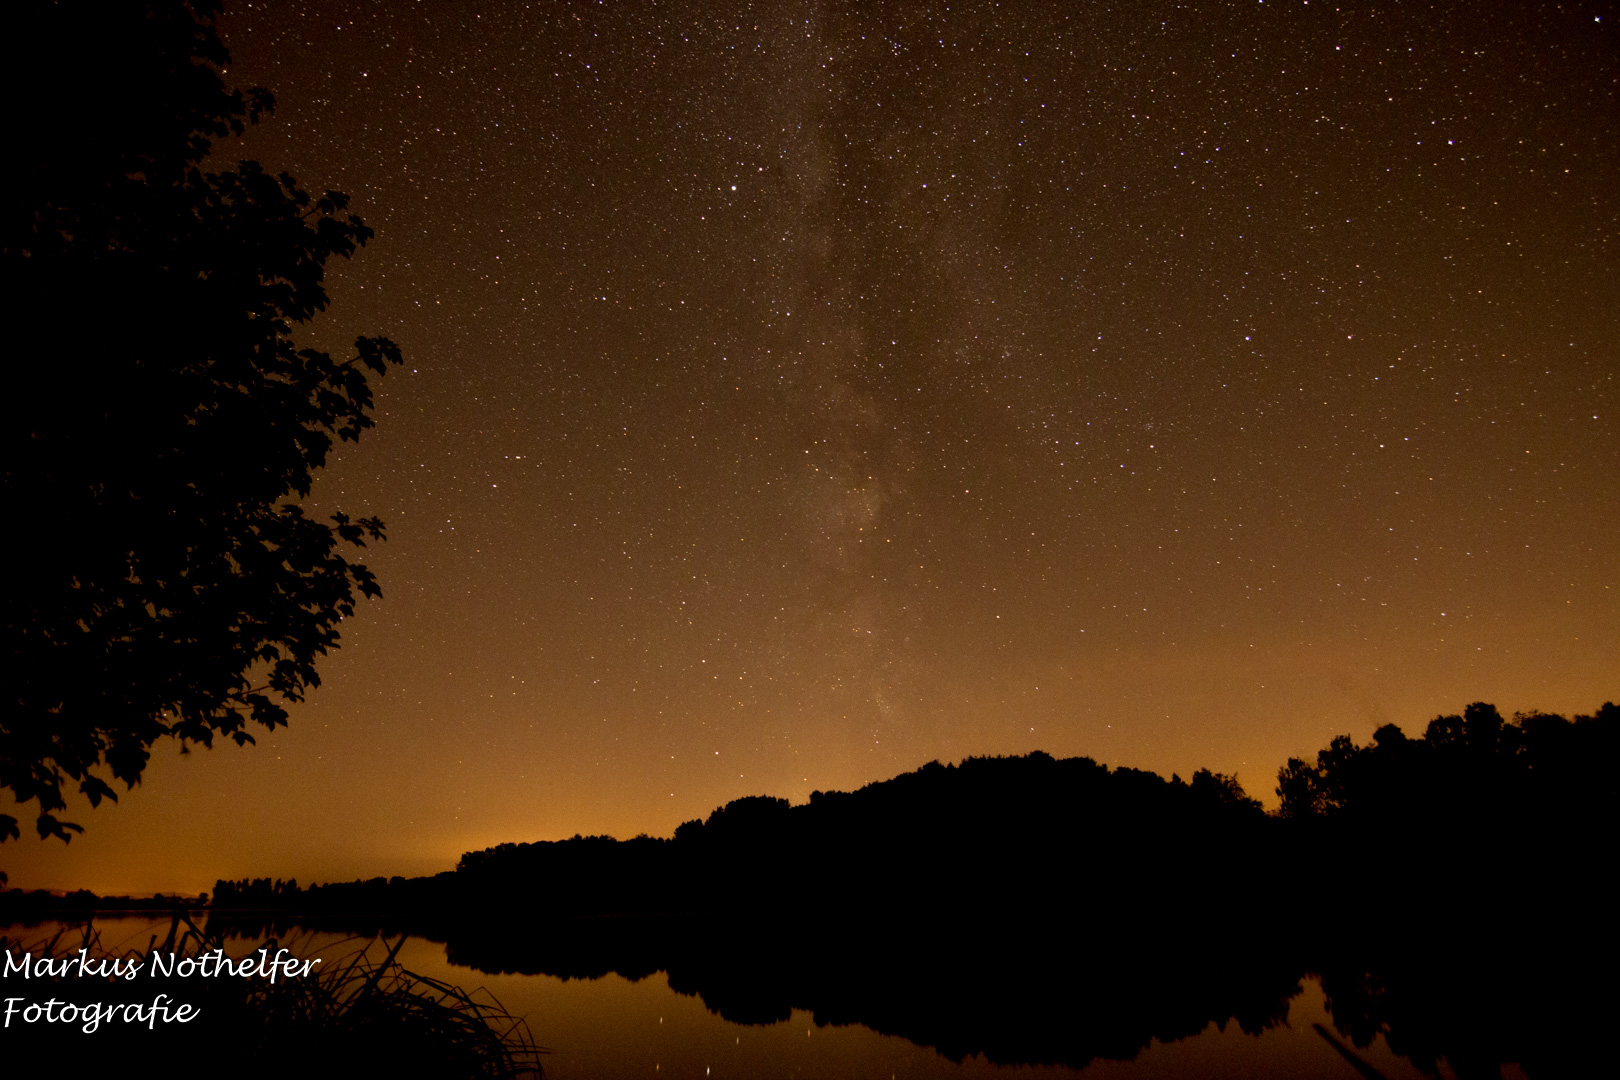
[612, 1026]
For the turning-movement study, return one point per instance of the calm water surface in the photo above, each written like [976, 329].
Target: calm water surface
[614, 1027]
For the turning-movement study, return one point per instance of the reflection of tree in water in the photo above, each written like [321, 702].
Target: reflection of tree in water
[1025, 994]
[1446, 890]
[1476, 1006]
[1463, 920]
[1028, 996]
[1027, 909]
[1068, 1007]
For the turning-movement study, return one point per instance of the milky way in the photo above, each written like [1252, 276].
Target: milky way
[798, 393]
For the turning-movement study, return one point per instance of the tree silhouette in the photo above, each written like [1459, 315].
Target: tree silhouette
[161, 417]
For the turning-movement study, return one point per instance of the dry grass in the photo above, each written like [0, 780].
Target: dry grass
[355, 1013]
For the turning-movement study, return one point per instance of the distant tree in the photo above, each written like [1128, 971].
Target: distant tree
[1222, 790]
[161, 423]
[1471, 767]
[752, 819]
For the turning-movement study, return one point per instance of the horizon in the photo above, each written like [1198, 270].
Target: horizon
[1268, 800]
[792, 397]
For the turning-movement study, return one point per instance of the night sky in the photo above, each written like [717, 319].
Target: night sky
[797, 393]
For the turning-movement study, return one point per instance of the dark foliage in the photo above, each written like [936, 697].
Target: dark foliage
[1448, 891]
[349, 1015]
[1033, 833]
[1462, 765]
[958, 906]
[161, 419]
[1478, 798]
[1036, 838]
[1458, 888]
[29, 907]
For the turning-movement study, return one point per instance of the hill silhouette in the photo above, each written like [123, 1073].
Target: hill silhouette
[1445, 889]
[1508, 806]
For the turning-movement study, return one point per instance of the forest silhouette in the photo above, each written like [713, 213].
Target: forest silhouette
[1446, 890]
[1449, 891]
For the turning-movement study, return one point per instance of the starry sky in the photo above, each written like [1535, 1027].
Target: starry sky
[799, 392]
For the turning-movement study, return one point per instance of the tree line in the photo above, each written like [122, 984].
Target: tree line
[1054, 837]
[1446, 890]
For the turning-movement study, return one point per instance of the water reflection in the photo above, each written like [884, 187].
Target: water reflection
[1040, 1001]
[1442, 1003]
[1032, 911]
[615, 1027]
[659, 1000]
[1455, 992]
